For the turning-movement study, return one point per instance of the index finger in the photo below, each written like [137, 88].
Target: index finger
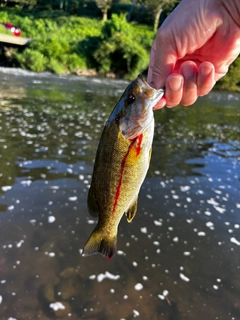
[152, 61]
[162, 62]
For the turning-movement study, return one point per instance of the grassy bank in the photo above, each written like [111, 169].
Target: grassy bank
[70, 44]
[67, 44]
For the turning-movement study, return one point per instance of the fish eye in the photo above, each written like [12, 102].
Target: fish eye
[131, 98]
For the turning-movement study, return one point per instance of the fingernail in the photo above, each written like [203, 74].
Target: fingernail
[206, 70]
[175, 83]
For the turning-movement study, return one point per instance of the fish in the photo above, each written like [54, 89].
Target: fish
[121, 164]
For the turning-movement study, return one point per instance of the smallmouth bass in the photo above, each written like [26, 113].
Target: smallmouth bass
[121, 164]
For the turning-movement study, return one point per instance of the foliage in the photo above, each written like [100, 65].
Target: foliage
[63, 43]
[156, 7]
[56, 55]
[119, 51]
[33, 60]
[66, 44]
[232, 79]
[55, 41]
[3, 30]
[21, 2]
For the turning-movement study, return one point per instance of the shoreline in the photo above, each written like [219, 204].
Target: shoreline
[79, 73]
[89, 73]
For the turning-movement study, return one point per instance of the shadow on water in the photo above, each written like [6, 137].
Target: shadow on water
[179, 258]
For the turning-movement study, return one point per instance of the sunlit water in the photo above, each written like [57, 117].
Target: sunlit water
[178, 259]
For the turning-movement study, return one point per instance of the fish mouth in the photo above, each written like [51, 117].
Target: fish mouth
[151, 93]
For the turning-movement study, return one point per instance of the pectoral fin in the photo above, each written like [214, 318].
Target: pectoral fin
[92, 203]
[132, 210]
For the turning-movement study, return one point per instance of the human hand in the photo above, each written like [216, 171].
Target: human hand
[193, 49]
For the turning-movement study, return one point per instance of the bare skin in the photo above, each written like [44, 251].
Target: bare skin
[193, 49]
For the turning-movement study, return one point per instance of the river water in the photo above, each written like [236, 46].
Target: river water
[180, 256]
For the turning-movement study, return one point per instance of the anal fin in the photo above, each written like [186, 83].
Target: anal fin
[130, 213]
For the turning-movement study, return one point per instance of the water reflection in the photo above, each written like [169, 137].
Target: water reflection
[178, 259]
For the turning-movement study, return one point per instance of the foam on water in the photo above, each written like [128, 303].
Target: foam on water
[183, 277]
[57, 306]
[138, 286]
[107, 275]
[51, 219]
[235, 241]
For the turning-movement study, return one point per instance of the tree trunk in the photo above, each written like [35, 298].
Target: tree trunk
[66, 5]
[104, 12]
[131, 10]
[157, 18]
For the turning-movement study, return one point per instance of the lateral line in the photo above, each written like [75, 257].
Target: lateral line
[138, 149]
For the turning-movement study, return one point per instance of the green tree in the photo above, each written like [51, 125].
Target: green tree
[104, 6]
[156, 7]
[29, 3]
[131, 10]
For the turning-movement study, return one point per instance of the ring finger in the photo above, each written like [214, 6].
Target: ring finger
[189, 72]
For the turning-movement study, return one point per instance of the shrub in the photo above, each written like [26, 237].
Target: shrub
[55, 66]
[31, 60]
[74, 62]
[4, 30]
[232, 79]
[118, 50]
[63, 43]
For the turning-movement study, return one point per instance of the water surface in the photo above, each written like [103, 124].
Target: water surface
[178, 259]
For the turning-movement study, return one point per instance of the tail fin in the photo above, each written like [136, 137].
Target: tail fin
[98, 242]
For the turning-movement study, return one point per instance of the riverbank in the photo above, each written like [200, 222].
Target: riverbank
[87, 46]
[69, 44]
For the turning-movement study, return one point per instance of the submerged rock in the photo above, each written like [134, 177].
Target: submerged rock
[68, 288]
[67, 273]
[47, 293]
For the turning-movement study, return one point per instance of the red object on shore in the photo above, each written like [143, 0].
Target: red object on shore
[15, 30]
